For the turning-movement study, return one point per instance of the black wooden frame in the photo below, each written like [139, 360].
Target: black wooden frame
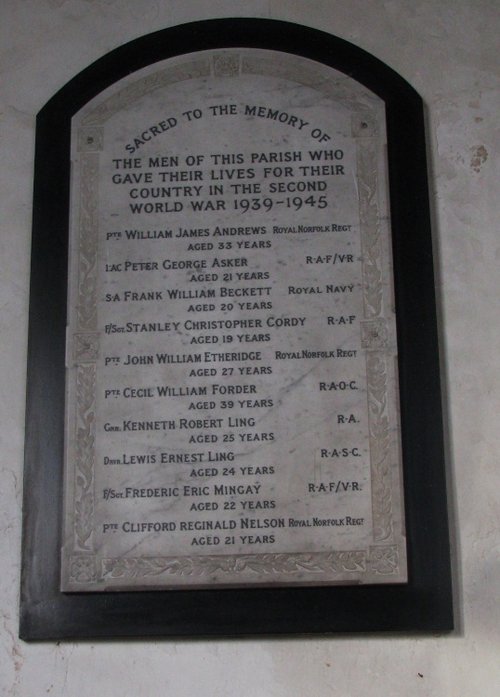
[425, 602]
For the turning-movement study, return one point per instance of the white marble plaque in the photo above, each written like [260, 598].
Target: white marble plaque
[232, 401]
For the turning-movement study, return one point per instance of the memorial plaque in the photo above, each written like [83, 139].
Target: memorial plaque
[232, 412]
[242, 295]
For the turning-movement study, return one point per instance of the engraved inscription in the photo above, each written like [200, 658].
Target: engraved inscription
[232, 408]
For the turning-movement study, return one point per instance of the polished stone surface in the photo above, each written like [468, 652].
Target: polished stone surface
[232, 397]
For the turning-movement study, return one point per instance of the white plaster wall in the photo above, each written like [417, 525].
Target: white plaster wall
[447, 49]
